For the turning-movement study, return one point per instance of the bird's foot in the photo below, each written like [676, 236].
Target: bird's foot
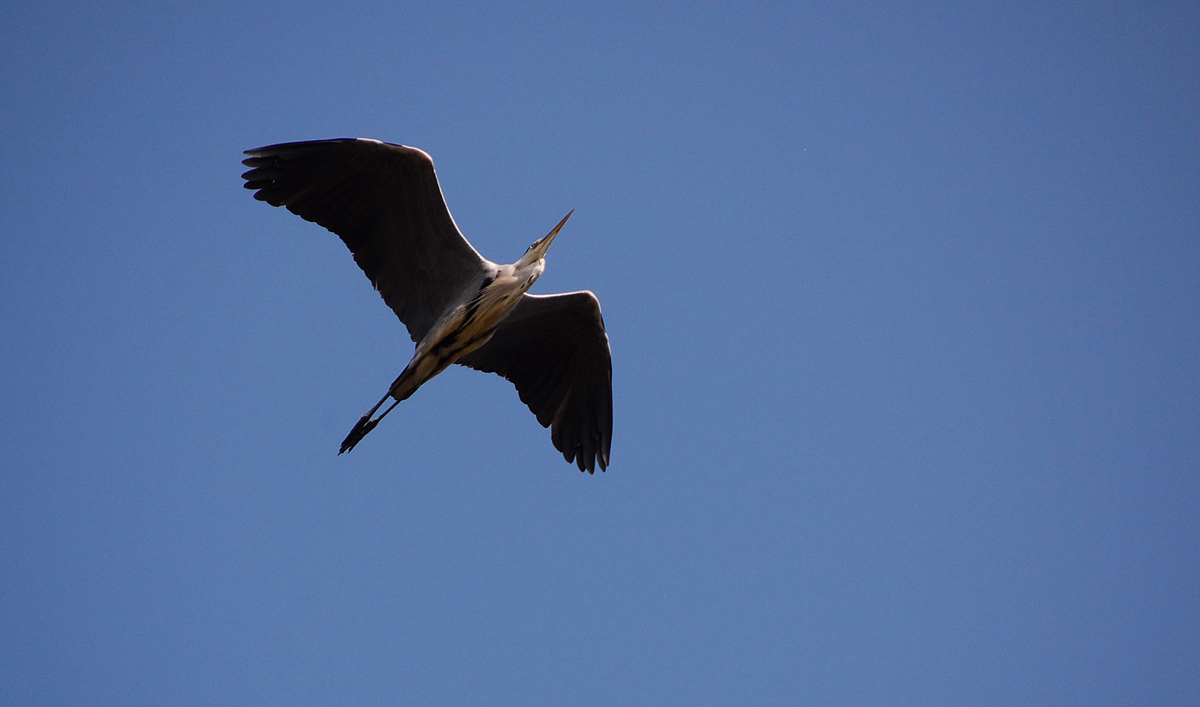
[365, 425]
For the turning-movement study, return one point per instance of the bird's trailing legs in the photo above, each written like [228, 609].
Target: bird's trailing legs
[366, 424]
[408, 382]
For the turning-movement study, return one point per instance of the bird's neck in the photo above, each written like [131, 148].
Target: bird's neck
[507, 286]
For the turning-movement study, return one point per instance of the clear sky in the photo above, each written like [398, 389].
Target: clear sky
[904, 302]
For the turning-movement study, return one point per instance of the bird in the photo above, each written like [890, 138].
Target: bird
[385, 203]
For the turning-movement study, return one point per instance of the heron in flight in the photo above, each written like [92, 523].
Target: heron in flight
[384, 202]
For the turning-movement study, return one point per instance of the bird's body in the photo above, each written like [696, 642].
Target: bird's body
[468, 325]
[385, 203]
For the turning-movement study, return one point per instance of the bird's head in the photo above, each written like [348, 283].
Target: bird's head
[537, 251]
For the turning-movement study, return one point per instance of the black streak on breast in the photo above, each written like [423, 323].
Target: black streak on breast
[472, 308]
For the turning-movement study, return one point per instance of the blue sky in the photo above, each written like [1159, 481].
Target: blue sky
[903, 301]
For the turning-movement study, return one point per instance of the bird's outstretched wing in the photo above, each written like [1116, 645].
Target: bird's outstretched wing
[385, 203]
[555, 351]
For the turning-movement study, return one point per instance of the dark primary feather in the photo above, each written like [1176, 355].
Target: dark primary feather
[385, 203]
[555, 351]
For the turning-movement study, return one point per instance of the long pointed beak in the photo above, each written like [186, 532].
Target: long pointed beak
[539, 248]
[545, 242]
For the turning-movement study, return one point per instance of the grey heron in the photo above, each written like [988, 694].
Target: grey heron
[385, 203]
